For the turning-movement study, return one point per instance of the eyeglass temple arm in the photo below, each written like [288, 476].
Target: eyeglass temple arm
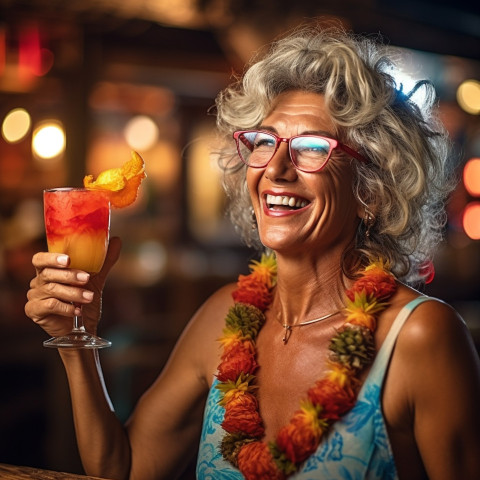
[352, 153]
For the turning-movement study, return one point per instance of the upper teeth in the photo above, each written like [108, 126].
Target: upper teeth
[285, 200]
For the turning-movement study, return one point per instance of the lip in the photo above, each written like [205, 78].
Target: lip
[282, 213]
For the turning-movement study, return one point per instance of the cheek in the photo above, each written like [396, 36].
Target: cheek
[334, 193]
[253, 177]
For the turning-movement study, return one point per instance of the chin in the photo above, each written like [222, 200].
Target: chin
[279, 243]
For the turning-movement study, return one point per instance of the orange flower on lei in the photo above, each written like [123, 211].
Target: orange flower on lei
[255, 288]
[255, 462]
[300, 438]
[375, 282]
[241, 415]
[352, 348]
[335, 399]
[237, 357]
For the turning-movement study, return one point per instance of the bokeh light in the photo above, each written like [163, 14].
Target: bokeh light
[141, 133]
[468, 96]
[16, 125]
[471, 176]
[151, 262]
[48, 140]
[471, 220]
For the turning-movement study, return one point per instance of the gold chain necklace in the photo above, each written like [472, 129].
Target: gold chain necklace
[288, 328]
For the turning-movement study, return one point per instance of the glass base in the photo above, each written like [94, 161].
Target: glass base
[77, 340]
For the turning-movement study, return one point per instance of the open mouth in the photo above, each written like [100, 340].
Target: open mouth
[284, 202]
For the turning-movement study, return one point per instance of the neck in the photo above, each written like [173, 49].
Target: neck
[300, 285]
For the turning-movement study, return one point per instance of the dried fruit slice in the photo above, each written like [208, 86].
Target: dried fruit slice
[122, 183]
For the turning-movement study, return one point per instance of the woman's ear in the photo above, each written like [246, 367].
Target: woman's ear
[365, 212]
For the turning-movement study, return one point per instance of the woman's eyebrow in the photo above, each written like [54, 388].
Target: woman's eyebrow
[322, 133]
[268, 128]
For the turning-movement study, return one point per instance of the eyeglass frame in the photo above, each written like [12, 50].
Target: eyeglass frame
[332, 142]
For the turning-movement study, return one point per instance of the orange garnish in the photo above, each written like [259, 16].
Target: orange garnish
[122, 183]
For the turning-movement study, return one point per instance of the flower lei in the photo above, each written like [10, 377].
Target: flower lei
[352, 349]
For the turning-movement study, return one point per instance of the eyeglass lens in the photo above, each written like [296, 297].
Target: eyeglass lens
[309, 152]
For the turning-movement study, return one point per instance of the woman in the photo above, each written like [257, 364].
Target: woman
[330, 366]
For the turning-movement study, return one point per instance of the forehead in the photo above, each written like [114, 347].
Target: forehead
[298, 111]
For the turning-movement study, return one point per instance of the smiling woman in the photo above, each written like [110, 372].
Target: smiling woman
[330, 365]
[369, 111]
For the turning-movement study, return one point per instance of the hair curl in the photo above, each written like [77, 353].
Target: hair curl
[407, 180]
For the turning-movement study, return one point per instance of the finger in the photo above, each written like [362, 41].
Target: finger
[47, 259]
[55, 325]
[49, 310]
[63, 293]
[65, 276]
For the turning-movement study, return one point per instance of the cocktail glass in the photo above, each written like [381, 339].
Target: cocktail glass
[77, 223]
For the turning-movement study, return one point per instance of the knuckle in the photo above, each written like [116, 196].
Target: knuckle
[36, 259]
[51, 304]
[50, 287]
[44, 275]
[28, 311]
[31, 311]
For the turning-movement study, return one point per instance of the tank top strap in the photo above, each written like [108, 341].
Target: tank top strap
[382, 359]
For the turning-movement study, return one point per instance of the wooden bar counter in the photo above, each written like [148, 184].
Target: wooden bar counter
[14, 472]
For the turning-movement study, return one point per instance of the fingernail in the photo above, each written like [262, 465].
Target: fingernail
[83, 276]
[87, 295]
[77, 312]
[62, 259]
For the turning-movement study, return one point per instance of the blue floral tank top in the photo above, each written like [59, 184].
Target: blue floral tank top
[357, 446]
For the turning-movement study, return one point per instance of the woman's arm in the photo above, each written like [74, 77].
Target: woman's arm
[162, 434]
[163, 431]
[101, 439]
[442, 378]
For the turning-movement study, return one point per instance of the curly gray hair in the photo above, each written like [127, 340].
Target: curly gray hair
[407, 180]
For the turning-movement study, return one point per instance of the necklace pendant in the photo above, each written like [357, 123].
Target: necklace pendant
[288, 332]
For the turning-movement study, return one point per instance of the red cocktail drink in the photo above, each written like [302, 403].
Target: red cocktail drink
[77, 223]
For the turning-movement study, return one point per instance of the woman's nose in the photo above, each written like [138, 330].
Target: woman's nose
[280, 167]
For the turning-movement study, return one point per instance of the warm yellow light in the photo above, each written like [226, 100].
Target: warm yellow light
[48, 140]
[471, 220]
[471, 176]
[141, 133]
[468, 96]
[16, 125]
[205, 196]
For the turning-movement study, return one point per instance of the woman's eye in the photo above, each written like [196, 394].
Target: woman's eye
[264, 142]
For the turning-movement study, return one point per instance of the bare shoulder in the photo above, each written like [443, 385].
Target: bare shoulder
[434, 325]
[435, 359]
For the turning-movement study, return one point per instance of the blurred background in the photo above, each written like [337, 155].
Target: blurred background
[83, 82]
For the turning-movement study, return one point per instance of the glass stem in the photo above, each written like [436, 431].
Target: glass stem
[78, 326]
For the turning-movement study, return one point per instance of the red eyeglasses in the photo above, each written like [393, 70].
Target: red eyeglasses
[308, 153]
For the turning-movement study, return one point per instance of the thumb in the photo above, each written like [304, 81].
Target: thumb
[113, 253]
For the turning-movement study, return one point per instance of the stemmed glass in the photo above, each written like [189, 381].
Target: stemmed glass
[77, 223]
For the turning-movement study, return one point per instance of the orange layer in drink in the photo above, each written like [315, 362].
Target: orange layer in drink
[77, 223]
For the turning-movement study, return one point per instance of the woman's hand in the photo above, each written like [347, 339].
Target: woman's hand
[56, 289]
